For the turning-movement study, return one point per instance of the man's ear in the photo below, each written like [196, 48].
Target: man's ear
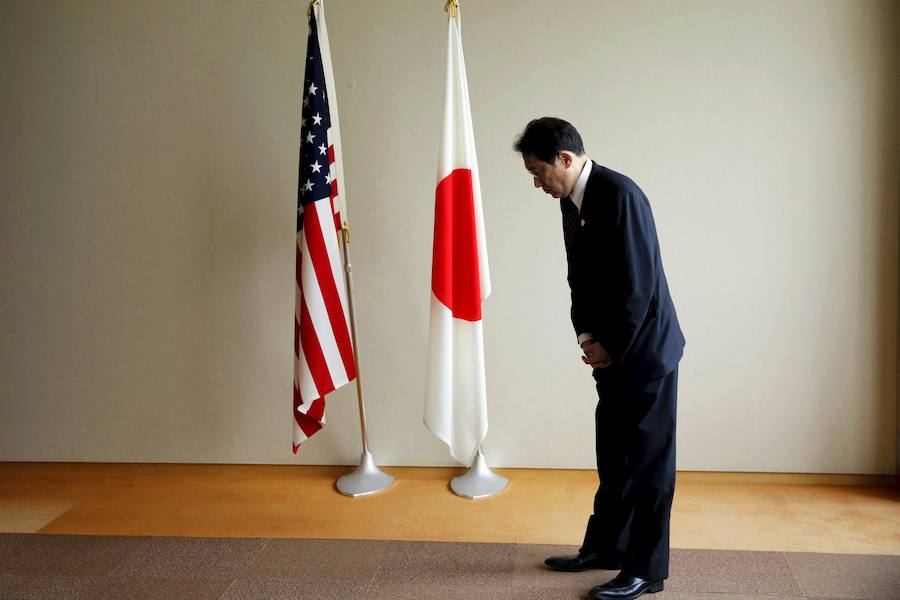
[566, 158]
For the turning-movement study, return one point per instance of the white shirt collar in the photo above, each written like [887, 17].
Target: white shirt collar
[577, 195]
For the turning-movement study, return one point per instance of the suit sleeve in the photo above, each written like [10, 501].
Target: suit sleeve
[626, 273]
[582, 311]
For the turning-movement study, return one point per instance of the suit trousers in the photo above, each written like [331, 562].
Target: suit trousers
[635, 438]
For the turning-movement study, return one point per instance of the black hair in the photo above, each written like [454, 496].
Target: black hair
[548, 136]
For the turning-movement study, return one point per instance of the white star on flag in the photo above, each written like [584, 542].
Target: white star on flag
[317, 119]
[308, 186]
[323, 149]
[312, 89]
[316, 167]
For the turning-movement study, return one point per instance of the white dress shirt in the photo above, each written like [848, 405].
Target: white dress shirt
[577, 195]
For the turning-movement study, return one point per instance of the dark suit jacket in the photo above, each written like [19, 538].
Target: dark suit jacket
[619, 288]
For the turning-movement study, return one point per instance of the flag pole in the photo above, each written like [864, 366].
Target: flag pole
[367, 478]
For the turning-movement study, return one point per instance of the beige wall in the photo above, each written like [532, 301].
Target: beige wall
[148, 177]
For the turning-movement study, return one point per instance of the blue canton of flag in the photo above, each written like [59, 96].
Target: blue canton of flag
[315, 164]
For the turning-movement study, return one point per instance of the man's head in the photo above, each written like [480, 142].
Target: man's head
[553, 153]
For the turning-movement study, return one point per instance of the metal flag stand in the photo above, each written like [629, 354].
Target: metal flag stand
[479, 481]
[367, 478]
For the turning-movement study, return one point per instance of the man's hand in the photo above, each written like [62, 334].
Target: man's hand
[595, 355]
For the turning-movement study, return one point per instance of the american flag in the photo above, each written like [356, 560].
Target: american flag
[323, 351]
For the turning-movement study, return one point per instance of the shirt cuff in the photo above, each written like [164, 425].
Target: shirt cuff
[583, 337]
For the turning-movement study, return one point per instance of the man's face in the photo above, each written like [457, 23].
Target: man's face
[551, 177]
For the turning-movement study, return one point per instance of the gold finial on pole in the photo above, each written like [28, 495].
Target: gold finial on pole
[452, 8]
[309, 7]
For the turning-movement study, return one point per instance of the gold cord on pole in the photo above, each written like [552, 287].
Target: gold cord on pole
[309, 8]
[452, 8]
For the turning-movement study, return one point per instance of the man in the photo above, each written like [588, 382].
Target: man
[627, 328]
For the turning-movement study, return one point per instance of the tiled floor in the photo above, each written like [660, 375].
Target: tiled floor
[38, 567]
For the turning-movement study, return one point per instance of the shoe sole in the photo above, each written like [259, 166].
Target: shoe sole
[582, 570]
[653, 589]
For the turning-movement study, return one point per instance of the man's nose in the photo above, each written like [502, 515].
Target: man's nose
[537, 183]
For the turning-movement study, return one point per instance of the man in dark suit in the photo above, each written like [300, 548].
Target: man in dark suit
[627, 328]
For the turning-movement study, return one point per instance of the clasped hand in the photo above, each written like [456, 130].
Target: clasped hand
[595, 355]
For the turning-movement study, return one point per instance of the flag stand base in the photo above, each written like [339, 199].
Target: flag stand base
[366, 479]
[479, 481]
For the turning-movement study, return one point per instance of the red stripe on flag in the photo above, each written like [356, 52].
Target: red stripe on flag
[307, 424]
[296, 339]
[298, 267]
[312, 351]
[319, 257]
[454, 273]
[317, 410]
[297, 274]
[337, 214]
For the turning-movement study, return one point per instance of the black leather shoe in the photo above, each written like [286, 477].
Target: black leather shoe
[575, 563]
[625, 587]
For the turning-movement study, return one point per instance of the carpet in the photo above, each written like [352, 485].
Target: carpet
[39, 567]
